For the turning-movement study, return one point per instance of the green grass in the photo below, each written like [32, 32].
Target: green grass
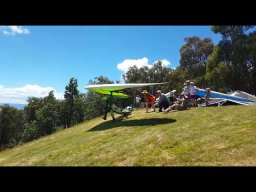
[214, 136]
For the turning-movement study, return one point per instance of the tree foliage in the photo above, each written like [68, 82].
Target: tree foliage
[47, 116]
[238, 54]
[230, 32]
[194, 55]
[218, 74]
[71, 94]
[155, 74]
[33, 105]
[11, 126]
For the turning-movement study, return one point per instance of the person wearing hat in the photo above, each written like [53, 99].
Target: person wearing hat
[163, 101]
[150, 99]
[186, 88]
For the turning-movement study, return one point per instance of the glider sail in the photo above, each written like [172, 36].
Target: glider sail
[236, 99]
[244, 95]
[114, 94]
[112, 89]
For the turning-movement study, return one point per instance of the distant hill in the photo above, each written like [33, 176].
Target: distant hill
[15, 105]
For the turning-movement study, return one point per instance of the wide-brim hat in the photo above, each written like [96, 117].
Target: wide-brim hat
[145, 91]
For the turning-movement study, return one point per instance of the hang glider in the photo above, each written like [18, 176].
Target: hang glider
[218, 98]
[244, 95]
[113, 89]
[237, 97]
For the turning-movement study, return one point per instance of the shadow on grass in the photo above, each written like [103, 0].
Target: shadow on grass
[138, 122]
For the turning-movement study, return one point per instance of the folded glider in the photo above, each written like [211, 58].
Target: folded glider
[243, 98]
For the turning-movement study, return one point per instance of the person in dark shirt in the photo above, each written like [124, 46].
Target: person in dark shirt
[163, 102]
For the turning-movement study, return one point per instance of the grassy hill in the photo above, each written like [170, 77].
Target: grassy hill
[214, 136]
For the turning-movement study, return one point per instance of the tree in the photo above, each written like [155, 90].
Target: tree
[80, 110]
[237, 53]
[218, 74]
[34, 104]
[155, 74]
[161, 74]
[137, 75]
[11, 126]
[194, 55]
[47, 116]
[102, 80]
[176, 78]
[64, 113]
[71, 94]
[93, 105]
[31, 131]
[230, 32]
[251, 61]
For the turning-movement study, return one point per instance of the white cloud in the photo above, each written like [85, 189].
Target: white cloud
[165, 62]
[21, 94]
[14, 30]
[127, 63]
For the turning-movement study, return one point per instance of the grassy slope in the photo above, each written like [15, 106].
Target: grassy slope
[219, 136]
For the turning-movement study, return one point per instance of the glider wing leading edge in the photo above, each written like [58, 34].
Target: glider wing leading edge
[111, 89]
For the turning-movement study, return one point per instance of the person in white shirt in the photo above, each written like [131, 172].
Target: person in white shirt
[138, 100]
[193, 96]
[186, 89]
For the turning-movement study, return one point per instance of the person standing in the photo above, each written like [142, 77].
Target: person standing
[186, 89]
[193, 91]
[150, 99]
[207, 96]
[138, 102]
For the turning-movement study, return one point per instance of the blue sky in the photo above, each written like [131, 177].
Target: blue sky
[35, 59]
